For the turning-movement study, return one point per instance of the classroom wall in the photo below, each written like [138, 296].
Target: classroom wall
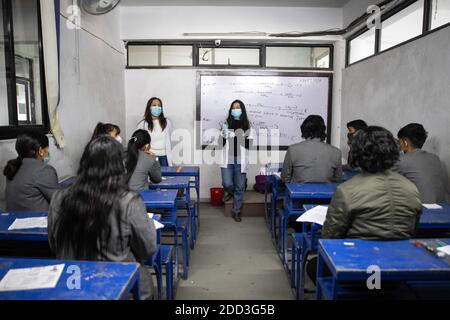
[407, 84]
[92, 90]
[155, 22]
[177, 87]
[356, 8]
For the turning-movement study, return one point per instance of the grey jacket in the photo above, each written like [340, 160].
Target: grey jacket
[312, 161]
[32, 187]
[424, 169]
[374, 206]
[146, 167]
[138, 241]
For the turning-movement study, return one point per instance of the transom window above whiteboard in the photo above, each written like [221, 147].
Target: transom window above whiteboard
[232, 54]
[229, 56]
[297, 57]
[156, 55]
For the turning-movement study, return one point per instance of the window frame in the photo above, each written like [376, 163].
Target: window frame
[426, 30]
[230, 44]
[11, 131]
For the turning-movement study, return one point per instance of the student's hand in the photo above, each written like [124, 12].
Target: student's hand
[150, 152]
[179, 169]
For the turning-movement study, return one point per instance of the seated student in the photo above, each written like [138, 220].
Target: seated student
[312, 160]
[141, 163]
[30, 182]
[108, 129]
[353, 127]
[424, 169]
[98, 218]
[378, 203]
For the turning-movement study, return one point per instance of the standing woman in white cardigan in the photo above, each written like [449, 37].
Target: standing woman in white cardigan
[160, 130]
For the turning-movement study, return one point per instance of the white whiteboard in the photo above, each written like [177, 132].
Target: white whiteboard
[272, 101]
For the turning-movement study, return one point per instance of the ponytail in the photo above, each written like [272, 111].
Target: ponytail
[132, 157]
[28, 144]
[12, 167]
[139, 139]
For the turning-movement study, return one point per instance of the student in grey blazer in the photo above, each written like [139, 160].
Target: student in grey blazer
[423, 168]
[98, 218]
[312, 160]
[142, 166]
[30, 182]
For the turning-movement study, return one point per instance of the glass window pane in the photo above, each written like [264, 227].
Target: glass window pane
[440, 13]
[297, 57]
[402, 26]
[4, 115]
[362, 46]
[140, 56]
[176, 56]
[229, 56]
[26, 46]
[321, 58]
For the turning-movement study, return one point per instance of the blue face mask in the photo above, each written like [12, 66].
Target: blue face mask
[236, 113]
[47, 158]
[156, 111]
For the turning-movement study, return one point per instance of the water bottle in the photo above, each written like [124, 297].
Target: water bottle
[225, 130]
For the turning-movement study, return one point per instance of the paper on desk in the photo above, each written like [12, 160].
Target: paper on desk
[158, 225]
[315, 215]
[432, 206]
[445, 250]
[29, 223]
[31, 278]
[278, 174]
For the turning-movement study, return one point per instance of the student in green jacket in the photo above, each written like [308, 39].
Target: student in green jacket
[377, 204]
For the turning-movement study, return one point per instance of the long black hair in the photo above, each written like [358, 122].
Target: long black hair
[148, 115]
[139, 139]
[244, 119]
[86, 207]
[27, 146]
[104, 128]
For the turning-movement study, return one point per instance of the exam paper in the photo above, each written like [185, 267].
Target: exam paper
[29, 223]
[158, 225]
[432, 206]
[315, 215]
[150, 215]
[31, 278]
[445, 250]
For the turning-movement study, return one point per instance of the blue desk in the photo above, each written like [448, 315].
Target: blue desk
[436, 218]
[276, 186]
[398, 261]
[348, 174]
[297, 194]
[6, 219]
[99, 280]
[181, 182]
[431, 219]
[186, 171]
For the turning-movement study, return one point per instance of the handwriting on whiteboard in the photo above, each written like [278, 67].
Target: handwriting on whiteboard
[273, 102]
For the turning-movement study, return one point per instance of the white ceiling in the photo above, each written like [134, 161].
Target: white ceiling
[238, 3]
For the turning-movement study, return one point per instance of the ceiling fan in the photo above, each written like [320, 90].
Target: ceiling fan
[98, 7]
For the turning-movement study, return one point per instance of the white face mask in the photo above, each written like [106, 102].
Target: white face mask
[119, 139]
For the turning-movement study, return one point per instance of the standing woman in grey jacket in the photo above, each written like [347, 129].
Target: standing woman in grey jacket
[98, 218]
[30, 181]
[142, 164]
